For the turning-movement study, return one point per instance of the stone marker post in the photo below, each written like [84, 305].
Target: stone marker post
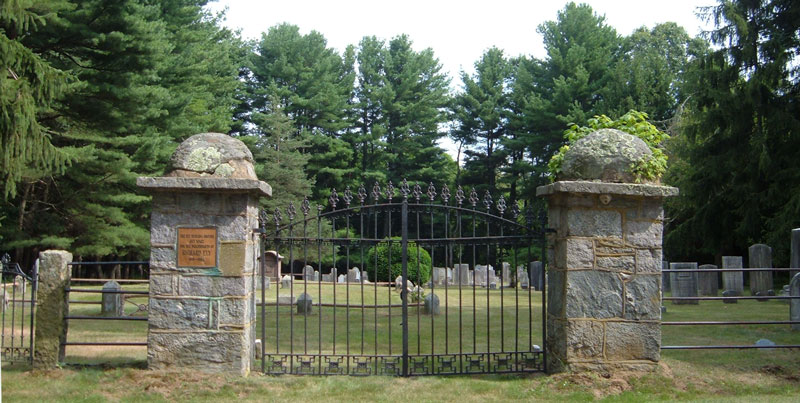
[203, 257]
[760, 256]
[113, 303]
[52, 306]
[604, 274]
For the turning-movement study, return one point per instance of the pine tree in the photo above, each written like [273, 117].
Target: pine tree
[566, 87]
[737, 164]
[28, 87]
[481, 112]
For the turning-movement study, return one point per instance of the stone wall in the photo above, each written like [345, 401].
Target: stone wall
[604, 275]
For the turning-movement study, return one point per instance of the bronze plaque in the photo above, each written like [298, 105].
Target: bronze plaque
[197, 247]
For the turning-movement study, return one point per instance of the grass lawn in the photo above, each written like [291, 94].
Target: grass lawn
[117, 373]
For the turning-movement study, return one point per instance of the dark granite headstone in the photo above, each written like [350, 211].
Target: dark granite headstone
[684, 284]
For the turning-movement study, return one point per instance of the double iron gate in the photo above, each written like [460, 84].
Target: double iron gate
[409, 284]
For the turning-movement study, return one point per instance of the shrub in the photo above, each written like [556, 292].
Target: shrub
[382, 252]
[634, 123]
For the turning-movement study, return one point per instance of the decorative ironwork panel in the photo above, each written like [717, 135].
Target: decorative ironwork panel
[365, 314]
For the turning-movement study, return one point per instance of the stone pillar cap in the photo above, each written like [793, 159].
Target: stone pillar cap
[210, 184]
[589, 187]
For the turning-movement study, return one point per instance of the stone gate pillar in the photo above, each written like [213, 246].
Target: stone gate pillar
[203, 257]
[604, 274]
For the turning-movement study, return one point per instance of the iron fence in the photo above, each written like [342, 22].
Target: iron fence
[18, 293]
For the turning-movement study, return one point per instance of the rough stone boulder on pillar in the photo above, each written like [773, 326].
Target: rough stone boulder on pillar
[212, 155]
[605, 154]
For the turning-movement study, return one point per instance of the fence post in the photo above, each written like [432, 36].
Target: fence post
[794, 263]
[52, 308]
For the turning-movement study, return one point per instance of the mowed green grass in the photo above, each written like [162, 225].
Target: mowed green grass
[115, 373]
[467, 322]
[471, 319]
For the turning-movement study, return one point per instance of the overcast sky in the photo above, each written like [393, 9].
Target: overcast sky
[457, 31]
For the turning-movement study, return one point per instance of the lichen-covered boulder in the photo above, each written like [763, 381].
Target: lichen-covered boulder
[606, 155]
[212, 155]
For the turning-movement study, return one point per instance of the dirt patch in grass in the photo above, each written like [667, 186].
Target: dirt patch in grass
[612, 383]
[172, 385]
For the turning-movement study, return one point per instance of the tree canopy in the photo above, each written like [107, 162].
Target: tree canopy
[96, 93]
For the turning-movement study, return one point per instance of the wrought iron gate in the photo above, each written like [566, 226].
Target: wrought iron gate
[480, 307]
[18, 312]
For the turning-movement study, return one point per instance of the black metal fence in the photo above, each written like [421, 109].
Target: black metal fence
[435, 303]
[729, 299]
[18, 312]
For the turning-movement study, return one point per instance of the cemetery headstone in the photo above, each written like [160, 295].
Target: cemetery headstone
[266, 283]
[536, 275]
[684, 284]
[113, 304]
[341, 279]
[398, 283]
[732, 281]
[286, 299]
[354, 275]
[665, 277]
[18, 283]
[461, 276]
[506, 274]
[760, 256]
[438, 276]
[480, 275]
[708, 283]
[308, 273]
[286, 281]
[524, 279]
[765, 343]
[431, 304]
[315, 277]
[730, 293]
[794, 304]
[304, 304]
[364, 276]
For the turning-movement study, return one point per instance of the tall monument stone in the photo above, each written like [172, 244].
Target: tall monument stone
[203, 257]
[604, 274]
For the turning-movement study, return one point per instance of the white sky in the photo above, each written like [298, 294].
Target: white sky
[457, 31]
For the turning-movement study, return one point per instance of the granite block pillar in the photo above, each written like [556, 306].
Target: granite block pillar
[604, 275]
[203, 258]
